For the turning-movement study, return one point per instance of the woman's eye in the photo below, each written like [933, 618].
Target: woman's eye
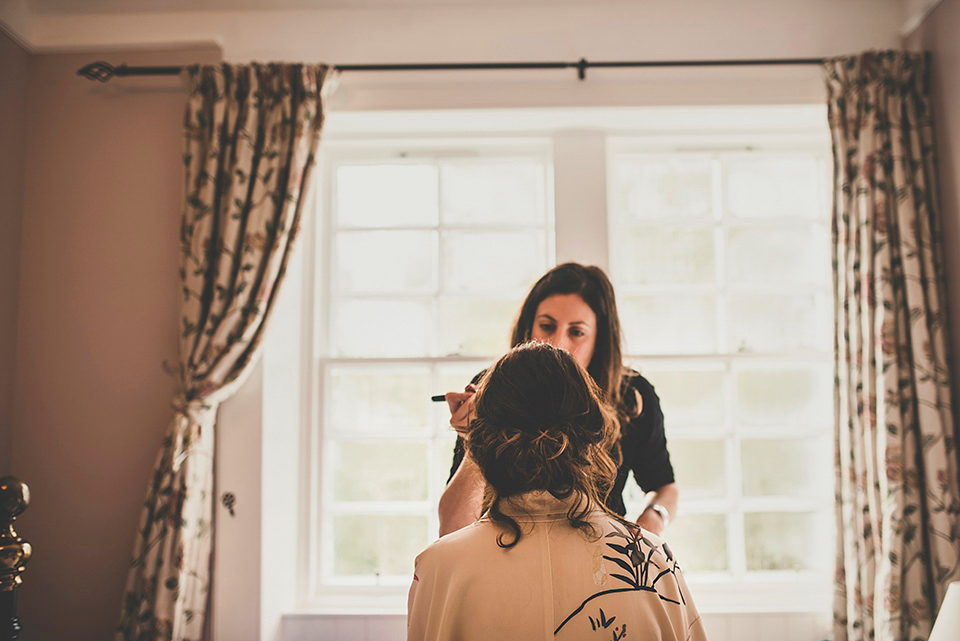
[576, 332]
[546, 329]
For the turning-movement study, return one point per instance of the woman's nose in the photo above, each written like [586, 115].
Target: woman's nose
[560, 342]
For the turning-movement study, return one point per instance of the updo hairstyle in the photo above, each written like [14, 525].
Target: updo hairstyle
[542, 424]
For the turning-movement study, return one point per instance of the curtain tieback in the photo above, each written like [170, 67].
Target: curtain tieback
[196, 410]
[193, 426]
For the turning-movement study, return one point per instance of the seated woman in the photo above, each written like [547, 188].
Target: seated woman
[547, 559]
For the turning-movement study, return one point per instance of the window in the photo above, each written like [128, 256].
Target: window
[718, 245]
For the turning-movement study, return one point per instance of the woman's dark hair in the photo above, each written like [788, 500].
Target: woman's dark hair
[542, 424]
[593, 286]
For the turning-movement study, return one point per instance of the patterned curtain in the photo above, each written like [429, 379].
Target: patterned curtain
[898, 500]
[251, 132]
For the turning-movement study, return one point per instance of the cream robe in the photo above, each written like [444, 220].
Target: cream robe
[556, 584]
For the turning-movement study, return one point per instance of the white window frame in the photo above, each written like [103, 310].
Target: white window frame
[582, 133]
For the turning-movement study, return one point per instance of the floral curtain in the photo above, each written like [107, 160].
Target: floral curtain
[898, 500]
[251, 132]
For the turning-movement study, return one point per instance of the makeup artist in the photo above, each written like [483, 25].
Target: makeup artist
[573, 307]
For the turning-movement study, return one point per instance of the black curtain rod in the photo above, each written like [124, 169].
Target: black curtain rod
[104, 71]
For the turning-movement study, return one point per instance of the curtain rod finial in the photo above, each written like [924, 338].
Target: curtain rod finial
[102, 71]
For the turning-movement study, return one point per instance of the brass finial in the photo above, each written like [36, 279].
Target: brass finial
[14, 551]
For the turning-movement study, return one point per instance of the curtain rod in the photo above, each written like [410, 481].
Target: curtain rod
[104, 71]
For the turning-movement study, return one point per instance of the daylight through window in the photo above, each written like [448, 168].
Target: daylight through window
[718, 247]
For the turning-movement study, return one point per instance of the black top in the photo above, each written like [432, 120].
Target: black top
[643, 446]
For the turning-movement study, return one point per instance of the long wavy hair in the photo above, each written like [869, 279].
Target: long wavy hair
[542, 424]
[592, 285]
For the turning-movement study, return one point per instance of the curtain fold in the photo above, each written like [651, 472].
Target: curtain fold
[897, 491]
[250, 136]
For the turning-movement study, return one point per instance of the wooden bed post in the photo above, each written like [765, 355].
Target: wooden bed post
[14, 553]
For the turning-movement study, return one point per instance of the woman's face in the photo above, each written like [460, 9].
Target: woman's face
[567, 322]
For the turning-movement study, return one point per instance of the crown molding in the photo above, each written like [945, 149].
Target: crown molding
[16, 22]
[916, 12]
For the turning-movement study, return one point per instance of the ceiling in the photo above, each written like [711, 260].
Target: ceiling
[363, 30]
[46, 7]
[40, 7]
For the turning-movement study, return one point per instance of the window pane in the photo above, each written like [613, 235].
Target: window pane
[767, 187]
[492, 262]
[378, 544]
[492, 192]
[780, 257]
[784, 467]
[379, 471]
[382, 328]
[773, 323]
[667, 188]
[652, 255]
[370, 399]
[387, 195]
[387, 262]
[700, 467]
[785, 397]
[781, 541]
[699, 542]
[689, 397]
[476, 326]
[669, 324]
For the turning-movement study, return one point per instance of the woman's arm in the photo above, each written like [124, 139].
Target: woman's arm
[461, 501]
[668, 497]
[651, 466]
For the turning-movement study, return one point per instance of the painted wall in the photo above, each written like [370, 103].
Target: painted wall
[14, 67]
[938, 35]
[97, 316]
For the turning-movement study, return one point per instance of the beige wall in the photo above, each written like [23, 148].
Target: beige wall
[938, 34]
[14, 66]
[97, 316]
